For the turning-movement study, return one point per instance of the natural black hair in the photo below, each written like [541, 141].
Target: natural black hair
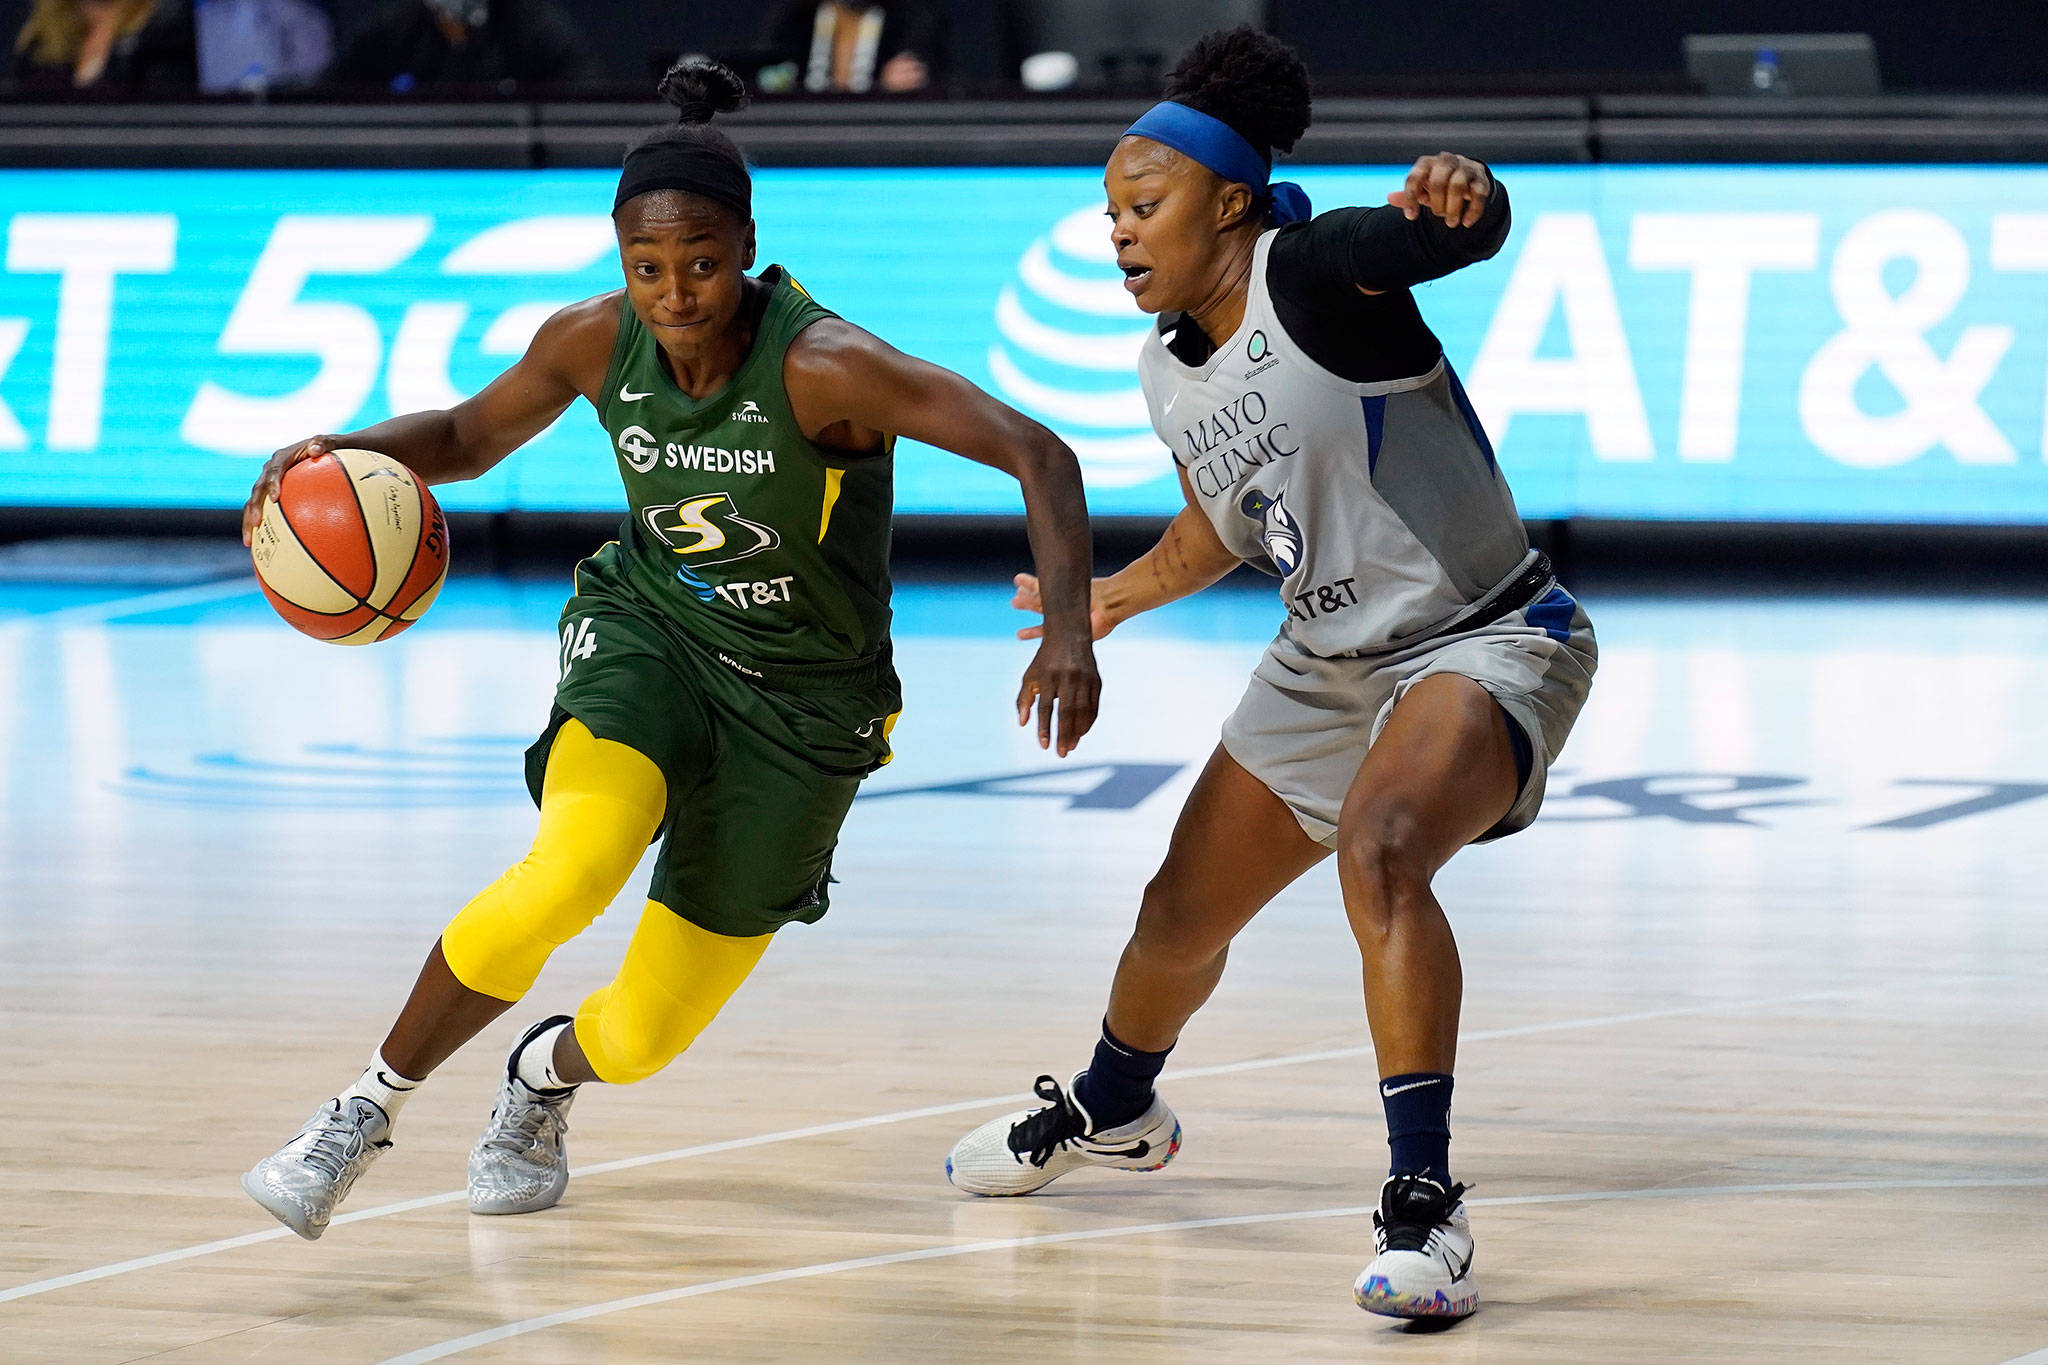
[700, 88]
[1250, 80]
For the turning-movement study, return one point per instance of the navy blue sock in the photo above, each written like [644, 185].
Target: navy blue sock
[1117, 1086]
[1419, 1124]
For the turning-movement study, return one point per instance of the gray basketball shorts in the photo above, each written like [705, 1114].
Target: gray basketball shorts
[1306, 722]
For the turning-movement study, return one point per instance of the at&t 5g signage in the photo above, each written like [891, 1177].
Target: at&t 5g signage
[1785, 343]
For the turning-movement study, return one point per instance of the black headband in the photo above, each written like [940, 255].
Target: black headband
[689, 167]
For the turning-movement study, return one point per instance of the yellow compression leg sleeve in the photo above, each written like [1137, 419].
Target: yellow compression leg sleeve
[600, 804]
[674, 981]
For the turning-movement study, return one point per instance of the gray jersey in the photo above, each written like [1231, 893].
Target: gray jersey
[1380, 506]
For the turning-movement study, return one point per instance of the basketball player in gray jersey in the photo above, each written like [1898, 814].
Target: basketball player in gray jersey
[1429, 667]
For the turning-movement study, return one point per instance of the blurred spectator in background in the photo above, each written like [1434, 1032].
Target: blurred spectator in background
[111, 47]
[501, 43]
[898, 46]
[258, 45]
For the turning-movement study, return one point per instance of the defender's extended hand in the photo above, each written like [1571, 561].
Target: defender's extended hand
[1455, 188]
[1027, 599]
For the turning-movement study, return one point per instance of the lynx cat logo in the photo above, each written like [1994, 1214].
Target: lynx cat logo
[1280, 533]
[637, 448]
[708, 529]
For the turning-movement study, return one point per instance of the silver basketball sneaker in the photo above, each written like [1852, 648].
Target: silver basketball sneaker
[521, 1164]
[303, 1180]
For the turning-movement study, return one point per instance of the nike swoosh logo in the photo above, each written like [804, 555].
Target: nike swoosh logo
[1459, 1273]
[1137, 1149]
[626, 394]
[1412, 1085]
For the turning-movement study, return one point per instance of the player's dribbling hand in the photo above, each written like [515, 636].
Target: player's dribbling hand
[1455, 188]
[272, 478]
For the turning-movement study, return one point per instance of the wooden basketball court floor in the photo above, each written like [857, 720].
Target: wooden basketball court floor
[1755, 1063]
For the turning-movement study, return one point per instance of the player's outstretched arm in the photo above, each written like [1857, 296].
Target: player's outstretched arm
[462, 442]
[1188, 558]
[1449, 213]
[843, 381]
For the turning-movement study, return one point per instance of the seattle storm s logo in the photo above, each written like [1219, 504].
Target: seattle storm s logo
[1279, 532]
[708, 529]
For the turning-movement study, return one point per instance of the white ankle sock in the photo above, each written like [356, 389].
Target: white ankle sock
[536, 1063]
[384, 1087]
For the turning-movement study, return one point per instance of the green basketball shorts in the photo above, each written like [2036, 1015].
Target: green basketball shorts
[762, 760]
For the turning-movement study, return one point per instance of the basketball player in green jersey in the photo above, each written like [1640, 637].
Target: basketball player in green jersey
[726, 679]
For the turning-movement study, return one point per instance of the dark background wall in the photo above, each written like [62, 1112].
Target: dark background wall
[1994, 45]
[1421, 46]
[635, 35]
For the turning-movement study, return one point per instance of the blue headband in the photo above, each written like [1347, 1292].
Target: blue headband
[1220, 147]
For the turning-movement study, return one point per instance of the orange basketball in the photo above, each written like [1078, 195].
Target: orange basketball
[353, 548]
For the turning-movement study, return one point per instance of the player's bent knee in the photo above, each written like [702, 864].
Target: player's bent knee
[497, 944]
[1380, 859]
[600, 805]
[566, 892]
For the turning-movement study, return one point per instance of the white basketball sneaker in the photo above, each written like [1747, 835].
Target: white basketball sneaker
[1027, 1150]
[303, 1180]
[1424, 1265]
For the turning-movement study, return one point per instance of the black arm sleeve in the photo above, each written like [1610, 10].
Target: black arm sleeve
[1380, 249]
[1316, 270]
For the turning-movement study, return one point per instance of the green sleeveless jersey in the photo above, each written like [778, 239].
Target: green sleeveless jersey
[741, 532]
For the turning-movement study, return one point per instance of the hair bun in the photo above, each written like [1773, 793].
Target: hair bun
[1251, 80]
[702, 87]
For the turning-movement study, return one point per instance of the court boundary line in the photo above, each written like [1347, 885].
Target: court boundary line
[162, 1258]
[946, 1251]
